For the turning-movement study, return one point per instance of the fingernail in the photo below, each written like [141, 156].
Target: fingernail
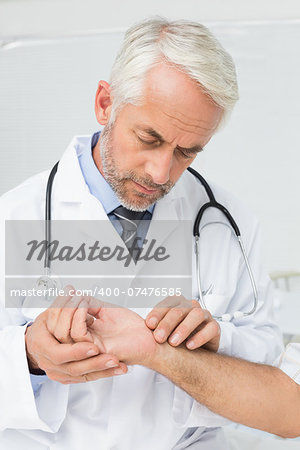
[118, 372]
[152, 322]
[174, 339]
[111, 364]
[190, 344]
[160, 334]
[92, 352]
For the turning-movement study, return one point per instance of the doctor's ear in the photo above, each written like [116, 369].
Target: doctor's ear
[103, 103]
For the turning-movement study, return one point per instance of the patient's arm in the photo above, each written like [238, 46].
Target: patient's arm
[255, 395]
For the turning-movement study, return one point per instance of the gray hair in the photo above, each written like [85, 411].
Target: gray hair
[188, 46]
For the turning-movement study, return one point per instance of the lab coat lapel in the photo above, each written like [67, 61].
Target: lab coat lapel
[73, 201]
[71, 197]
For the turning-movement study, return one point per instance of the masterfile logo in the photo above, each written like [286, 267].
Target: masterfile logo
[147, 251]
[92, 257]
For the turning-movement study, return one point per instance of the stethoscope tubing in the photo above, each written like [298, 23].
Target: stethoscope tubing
[212, 203]
[48, 214]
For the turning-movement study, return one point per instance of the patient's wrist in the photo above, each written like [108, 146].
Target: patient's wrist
[160, 357]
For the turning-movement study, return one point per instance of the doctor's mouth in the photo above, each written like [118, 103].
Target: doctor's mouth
[144, 189]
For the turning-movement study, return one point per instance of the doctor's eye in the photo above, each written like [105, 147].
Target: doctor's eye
[146, 142]
[185, 154]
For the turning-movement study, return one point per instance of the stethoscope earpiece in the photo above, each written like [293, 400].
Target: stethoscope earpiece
[226, 318]
[238, 314]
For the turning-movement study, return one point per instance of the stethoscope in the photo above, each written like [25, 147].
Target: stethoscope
[212, 203]
[48, 282]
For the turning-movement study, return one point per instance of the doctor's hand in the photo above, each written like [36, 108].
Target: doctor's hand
[67, 362]
[176, 320]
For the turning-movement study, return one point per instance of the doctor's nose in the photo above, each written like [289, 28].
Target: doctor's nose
[158, 167]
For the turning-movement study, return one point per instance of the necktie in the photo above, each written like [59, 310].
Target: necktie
[130, 221]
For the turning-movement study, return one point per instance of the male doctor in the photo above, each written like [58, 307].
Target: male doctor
[64, 382]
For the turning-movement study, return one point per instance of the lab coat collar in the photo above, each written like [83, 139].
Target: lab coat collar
[69, 180]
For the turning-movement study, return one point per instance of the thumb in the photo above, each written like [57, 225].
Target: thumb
[90, 320]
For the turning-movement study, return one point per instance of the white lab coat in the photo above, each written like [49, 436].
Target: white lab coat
[289, 361]
[140, 410]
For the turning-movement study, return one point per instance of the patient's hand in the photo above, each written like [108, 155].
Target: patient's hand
[115, 330]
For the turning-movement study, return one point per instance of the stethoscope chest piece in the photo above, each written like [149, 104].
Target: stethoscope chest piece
[50, 286]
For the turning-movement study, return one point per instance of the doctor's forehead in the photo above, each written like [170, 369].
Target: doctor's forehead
[153, 124]
[170, 95]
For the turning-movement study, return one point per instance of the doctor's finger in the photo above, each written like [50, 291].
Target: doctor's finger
[80, 323]
[162, 308]
[209, 335]
[170, 322]
[189, 325]
[95, 305]
[64, 322]
[155, 316]
[92, 376]
[44, 351]
[46, 346]
[97, 363]
[56, 307]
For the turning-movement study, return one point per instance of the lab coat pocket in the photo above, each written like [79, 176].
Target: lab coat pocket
[217, 304]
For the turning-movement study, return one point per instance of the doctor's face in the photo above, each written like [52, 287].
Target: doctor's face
[149, 146]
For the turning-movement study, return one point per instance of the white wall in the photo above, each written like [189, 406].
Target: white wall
[50, 64]
[32, 17]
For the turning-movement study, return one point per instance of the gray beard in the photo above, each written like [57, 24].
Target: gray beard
[118, 181]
